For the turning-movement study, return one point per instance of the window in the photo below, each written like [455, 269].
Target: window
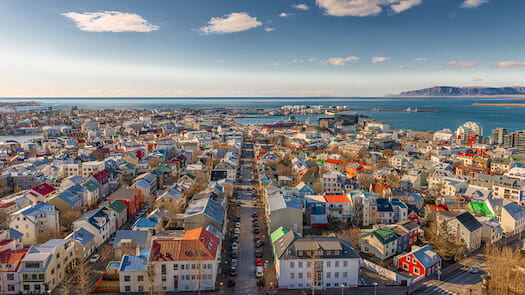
[300, 264]
[141, 288]
[328, 275]
[337, 264]
[10, 277]
[416, 270]
[328, 264]
[140, 278]
[292, 275]
[292, 264]
[176, 266]
[127, 278]
[345, 274]
[408, 258]
[26, 287]
[336, 274]
[127, 288]
[405, 266]
[163, 278]
[300, 275]
[345, 263]
[163, 268]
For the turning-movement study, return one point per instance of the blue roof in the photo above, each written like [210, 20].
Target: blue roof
[71, 198]
[83, 236]
[142, 183]
[146, 222]
[14, 234]
[39, 208]
[384, 205]
[397, 202]
[133, 263]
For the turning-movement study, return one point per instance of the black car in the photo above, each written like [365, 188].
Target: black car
[256, 230]
[258, 253]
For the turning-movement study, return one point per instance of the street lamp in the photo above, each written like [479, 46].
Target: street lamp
[342, 288]
[375, 288]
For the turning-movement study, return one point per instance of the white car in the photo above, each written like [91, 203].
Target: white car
[237, 230]
[235, 246]
[474, 269]
[259, 272]
[94, 258]
[237, 224]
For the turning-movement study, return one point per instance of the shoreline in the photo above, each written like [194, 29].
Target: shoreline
[518, 105]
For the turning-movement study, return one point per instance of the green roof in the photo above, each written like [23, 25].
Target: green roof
[163, 168]
[278, 233]
[117, 206]
[481, 208]
[91, 185]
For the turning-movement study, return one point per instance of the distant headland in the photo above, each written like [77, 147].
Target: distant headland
[475, 91]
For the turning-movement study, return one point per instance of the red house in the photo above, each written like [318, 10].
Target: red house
[41, 193]
[421, 262]
[130, 197]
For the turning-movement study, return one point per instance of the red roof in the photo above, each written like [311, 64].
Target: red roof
[43, 189]
[337, 199]
[333, 161]
[7, 205]
[13, 257]
[102, 176]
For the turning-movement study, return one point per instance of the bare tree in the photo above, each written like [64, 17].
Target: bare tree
[83, 278]
[365, 181]
[506, 269]
[317, 186]
[47, 235]
[66, 219]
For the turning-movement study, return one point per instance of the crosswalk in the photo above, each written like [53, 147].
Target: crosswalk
[433, 289]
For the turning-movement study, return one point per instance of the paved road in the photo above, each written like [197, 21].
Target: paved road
[246, 282]
[459, 281]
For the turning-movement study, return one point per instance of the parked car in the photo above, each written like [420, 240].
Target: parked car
[259, 243]
[259, 272]
[94, 258]
[237, 224]
[254, 214]
[258, 262]
[256, 230]
[233, 271]
[474, 269]
[254, 203]
[234, 262]
[235, 246]
[112, 241]
[237, 218]
[237, 230]
[234, 254]
[258, 253]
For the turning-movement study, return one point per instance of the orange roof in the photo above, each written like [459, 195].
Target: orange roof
[197, 244]
[337, 199]
[333, 161]
[13, 256]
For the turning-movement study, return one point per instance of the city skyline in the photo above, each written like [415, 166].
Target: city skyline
[256, 48]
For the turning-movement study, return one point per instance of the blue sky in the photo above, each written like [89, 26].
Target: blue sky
[256, 48]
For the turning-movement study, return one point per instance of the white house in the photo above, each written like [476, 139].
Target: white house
[35, 221]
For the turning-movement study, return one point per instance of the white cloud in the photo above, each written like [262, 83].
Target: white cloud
[339, 61]
[511, 64]
[283, 14]
[378, 59]
[364, 7]
[405, 5]
[408, 67]
[269, 29]
[110, 21]
[473, 3]
[420, 59]
[301, 6]
[477, 79]
[455, 65]
[231, 23]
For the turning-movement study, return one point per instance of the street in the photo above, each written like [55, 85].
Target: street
[246, 282]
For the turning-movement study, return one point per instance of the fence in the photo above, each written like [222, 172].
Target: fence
[387, 273]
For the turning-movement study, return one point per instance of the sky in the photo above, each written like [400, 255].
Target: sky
[261, 48]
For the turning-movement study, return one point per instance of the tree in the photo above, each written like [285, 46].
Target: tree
[311, 265]
[47, 235]
[317, 186]
[506, 269]
[199, 184]
[392, 181]
[365, 181]
[83, 278]
[67, 218]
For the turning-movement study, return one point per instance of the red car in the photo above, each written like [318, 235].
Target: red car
[259, 262]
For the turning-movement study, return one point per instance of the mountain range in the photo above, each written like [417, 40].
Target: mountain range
[442, 91]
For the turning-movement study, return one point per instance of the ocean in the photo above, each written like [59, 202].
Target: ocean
[453, 111]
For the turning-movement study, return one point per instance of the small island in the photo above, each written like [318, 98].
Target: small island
[19, 104]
